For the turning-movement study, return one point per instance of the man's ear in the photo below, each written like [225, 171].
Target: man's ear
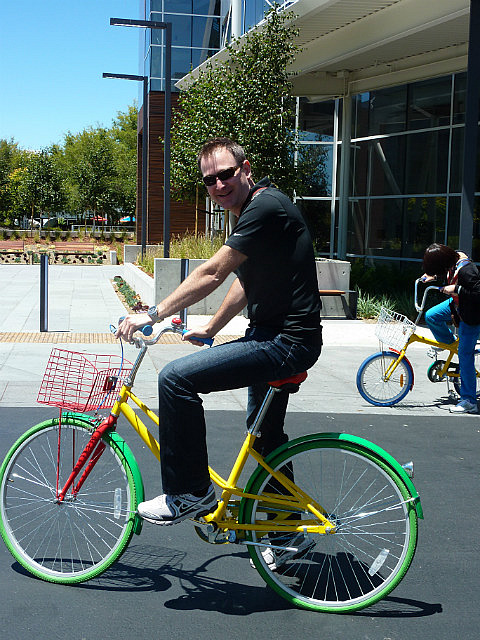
[247, 169]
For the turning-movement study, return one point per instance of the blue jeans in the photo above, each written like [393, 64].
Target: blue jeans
[251, 361]
[436, 319]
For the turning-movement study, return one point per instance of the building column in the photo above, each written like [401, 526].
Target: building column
[471, 131]
[344, 177]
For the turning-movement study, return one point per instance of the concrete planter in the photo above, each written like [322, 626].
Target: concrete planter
[331, 274]
[166, 279]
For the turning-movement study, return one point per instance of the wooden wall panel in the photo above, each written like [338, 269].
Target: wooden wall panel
[182, 215]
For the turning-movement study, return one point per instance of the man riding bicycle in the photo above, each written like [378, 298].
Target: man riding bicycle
[271, 253]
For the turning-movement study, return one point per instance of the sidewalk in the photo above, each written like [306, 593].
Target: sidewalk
[82, 304]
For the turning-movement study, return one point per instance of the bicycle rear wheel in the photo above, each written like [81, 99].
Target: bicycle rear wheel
[375, 388]
[375, 519]
[456, 381]
[82, 536]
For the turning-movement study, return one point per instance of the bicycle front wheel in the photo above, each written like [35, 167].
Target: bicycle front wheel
[373, 385]
[79, 538]
[375, 527]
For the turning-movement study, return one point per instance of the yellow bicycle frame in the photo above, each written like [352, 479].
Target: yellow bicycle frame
[282, 505]
[452, 348]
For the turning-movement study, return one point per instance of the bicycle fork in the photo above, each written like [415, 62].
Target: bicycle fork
[92, 452]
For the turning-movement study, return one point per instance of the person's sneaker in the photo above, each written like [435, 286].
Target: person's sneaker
[464, 406]
[298, 546]
[167, 509]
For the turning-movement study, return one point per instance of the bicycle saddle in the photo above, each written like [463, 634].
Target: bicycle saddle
[291, 384]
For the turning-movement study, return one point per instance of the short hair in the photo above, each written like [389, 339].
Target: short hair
[438, 259]
[230, 145]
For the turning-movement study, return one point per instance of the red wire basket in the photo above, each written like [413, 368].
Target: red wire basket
[82, 381]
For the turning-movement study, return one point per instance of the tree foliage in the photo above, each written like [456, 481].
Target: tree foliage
[247, 99]
[91, 173]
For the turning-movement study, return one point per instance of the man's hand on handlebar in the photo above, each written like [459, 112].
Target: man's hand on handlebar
[427, 278]
[201, 332]
[132, 323]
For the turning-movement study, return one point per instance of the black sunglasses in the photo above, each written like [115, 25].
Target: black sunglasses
[226, 174]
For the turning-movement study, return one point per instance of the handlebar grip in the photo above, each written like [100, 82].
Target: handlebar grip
[147, 330]
[207, 341]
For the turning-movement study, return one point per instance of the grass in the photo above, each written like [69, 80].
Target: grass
[189, 246]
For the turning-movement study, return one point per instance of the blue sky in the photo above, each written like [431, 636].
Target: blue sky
[52, 56]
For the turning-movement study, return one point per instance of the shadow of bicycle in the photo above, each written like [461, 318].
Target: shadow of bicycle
[152, 568]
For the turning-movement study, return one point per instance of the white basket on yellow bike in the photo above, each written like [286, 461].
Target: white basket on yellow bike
[393, 329]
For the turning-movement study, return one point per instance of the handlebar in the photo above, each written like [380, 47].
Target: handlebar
[176, 326]
[421, 307]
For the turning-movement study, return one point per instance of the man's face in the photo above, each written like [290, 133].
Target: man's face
[230, 193]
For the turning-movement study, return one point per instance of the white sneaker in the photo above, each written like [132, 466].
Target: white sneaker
[167, 509]
[276, 558]
[464, 406]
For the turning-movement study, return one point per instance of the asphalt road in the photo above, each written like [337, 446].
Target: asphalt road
[171, 584]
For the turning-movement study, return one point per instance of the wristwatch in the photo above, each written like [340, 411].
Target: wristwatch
[153, 313]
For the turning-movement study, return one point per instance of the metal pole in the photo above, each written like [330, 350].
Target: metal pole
[344, 177]
[471, 131]
[44, 292]
[184, 269]
[166, 143]
[145, 142]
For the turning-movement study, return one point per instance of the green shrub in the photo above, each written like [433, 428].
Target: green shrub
[188, 246]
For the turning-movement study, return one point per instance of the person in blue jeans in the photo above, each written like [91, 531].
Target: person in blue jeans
[271, 253]
[463, 309]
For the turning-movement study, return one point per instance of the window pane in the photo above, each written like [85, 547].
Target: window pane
[181, 30]
[200, 55]
[316, 120]
[454, 208]
[177, 6]
[429, 103]
[397, 227]
[315, 167]
[181, 62]
[456, 171]
[459, 98]
[156, 67]
[424, 224]
[207, 7]
[388, 110]
[361, 111]
[386, 158]
[206, 33]
[317, 214]
[427, 162]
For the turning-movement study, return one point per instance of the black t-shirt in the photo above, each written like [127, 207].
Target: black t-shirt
[279, 274]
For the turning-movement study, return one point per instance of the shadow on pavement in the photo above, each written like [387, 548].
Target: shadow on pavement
[155, 569]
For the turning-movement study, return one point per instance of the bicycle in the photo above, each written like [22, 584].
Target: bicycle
[69, 489]
[385, 377]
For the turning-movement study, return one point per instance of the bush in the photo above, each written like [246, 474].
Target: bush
[188, 246]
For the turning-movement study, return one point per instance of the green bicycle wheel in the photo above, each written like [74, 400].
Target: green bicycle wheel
[375, 527]
[82, 536]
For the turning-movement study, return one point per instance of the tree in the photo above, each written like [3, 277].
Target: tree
[40, 189]
[91, 170]
[12, 159]
[124, 136]
[247, 99]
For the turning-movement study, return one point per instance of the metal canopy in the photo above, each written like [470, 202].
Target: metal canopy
[351, 46]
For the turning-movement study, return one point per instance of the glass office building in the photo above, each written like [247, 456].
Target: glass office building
[196, 36]
[406, 154]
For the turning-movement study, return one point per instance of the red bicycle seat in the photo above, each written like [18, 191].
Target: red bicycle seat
[291, 384]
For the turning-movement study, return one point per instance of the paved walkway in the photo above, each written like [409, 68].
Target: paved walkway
[82, 304]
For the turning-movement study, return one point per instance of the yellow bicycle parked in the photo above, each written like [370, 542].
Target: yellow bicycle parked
[385, 378]
[69, 489]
